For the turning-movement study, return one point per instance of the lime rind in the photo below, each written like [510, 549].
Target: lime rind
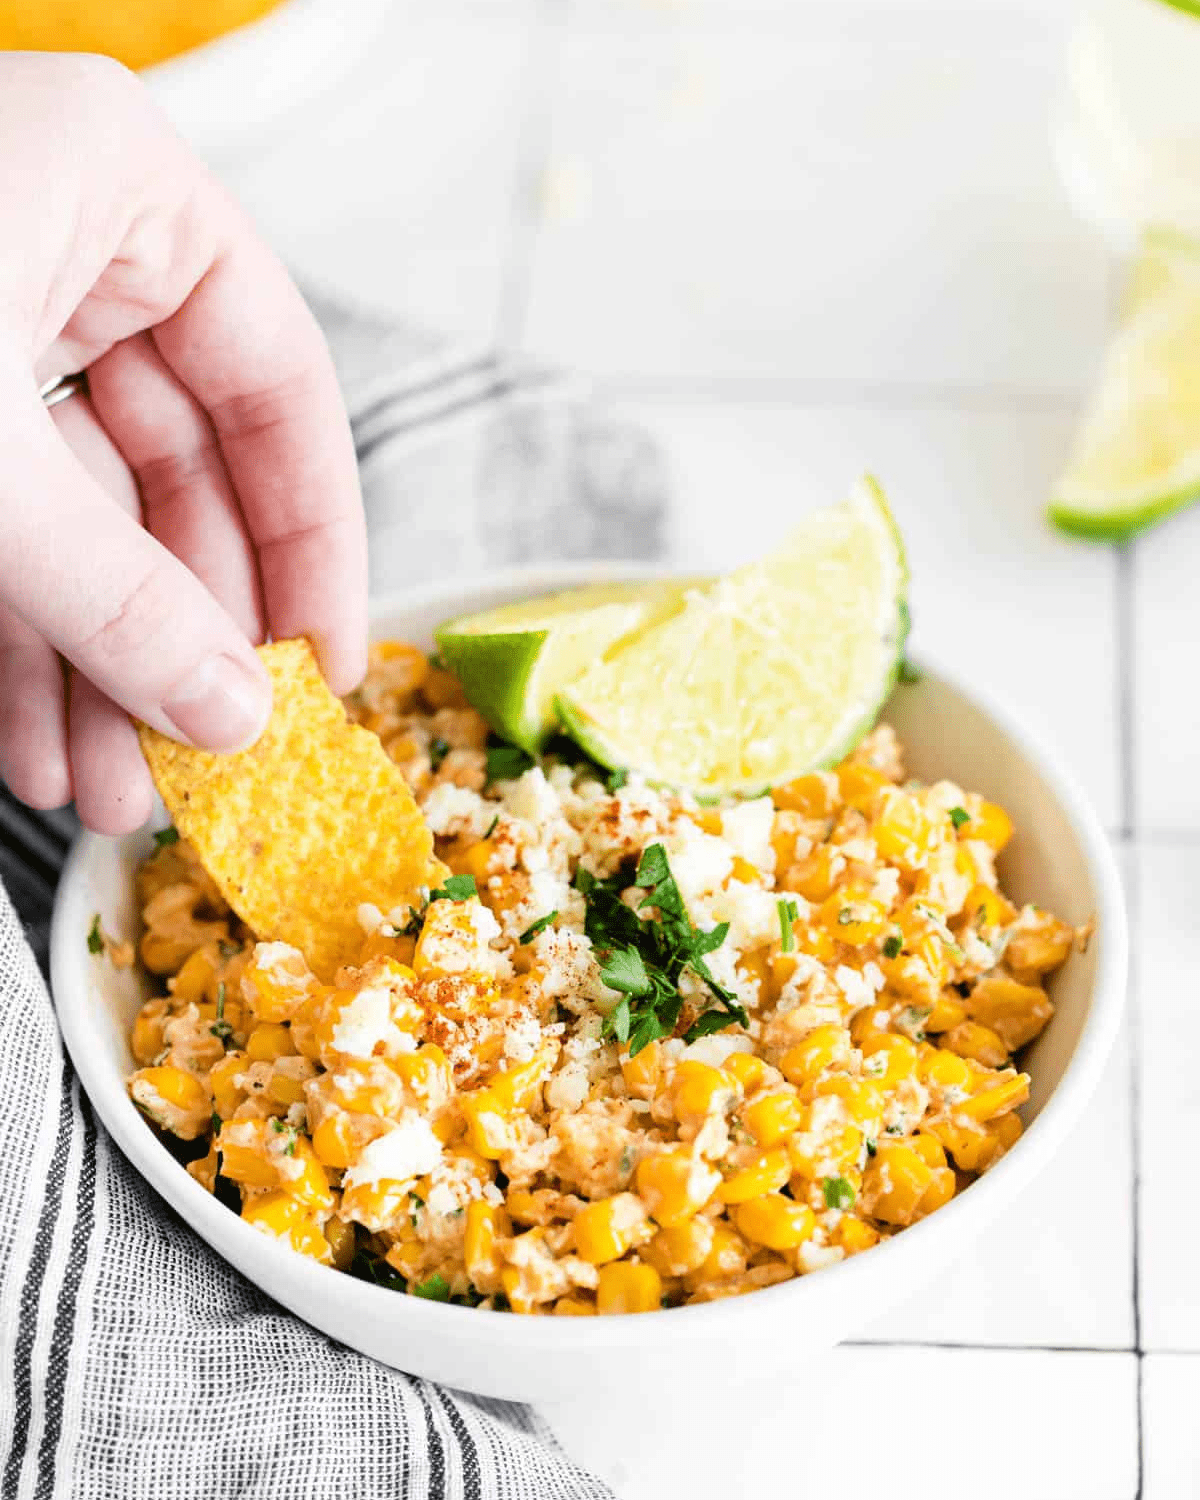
[1136, 459]
[593, 715]
[511, 661]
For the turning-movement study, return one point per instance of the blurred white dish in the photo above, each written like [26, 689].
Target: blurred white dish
[1060, 857]
[234, 89]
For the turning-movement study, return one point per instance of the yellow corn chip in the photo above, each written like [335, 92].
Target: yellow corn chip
[304, 826]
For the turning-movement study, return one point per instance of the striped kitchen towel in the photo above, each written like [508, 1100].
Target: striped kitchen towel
[134, 1363]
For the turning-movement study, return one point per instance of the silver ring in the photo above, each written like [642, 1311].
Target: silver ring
[62, 387]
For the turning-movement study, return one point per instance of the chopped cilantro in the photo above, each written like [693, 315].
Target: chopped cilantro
[415, 1204]
[438, 751]
[535, 927]
[95, 938]
[221, 1027]
[845, 916]
[892, 945]
[457, 888]
[872, 1148]
[644, 959]
[507, 762]
[787, 915]
[436, 1288]
[290, 1148]
[615, 780]
[416, 920]
[166, 836]
[838, 1193]
[959, 816]
[492, 826]
[215, 1123]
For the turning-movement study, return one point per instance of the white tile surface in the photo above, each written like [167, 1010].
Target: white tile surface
[917, 1424]
[1165, 658]
[1167, 979]
[1057, 1270]
[1170, 1401]
[399, 190]
[995, 592]
[839, 193]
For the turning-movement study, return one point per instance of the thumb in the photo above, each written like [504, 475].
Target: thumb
[114, 601]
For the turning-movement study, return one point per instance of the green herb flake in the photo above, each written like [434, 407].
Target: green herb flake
[95, 938]
[907, 673]
[845, 916]
[838, 1193]
[643, 958]
[615, 780]
[872, 1148]
[892, 944]
[959, 816]
[215, 1123]
[507, 762]
[457, 888]
[539, 926]
[438, 751]
[788, 913]
[166, 836]
[492, 826]
[436, 1288]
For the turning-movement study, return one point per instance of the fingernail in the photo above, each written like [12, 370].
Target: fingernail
[221, 706]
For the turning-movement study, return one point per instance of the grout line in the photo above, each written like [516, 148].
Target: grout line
[533, 151]
[1126, 578]
[1121, 1349]
[1124, 586]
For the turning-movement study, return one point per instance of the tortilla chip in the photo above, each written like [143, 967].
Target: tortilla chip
[304, 826]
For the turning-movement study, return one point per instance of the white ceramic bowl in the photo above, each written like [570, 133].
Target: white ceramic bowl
[1059, 858]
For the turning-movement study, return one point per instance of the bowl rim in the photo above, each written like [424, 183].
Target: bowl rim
[846, 1282]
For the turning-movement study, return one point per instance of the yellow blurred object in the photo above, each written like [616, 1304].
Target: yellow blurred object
[138, 33]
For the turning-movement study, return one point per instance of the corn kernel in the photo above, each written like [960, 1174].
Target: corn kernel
[574, 1307]
[997, 1100]
[775, 1221]
[485, 1225]
[853, 917]
[989, 824]
[944, 1070]
[173, 1099]
[628, 1287]
[674, 1185]
[822, 1048]
[860, 784]
[641, 1072]
[772, 1117]
[766, 1174]
[895, 1181]
[812, 796]
[969, 1039]
[697, 1090]
[746, 1069]
[268, 1041]
[605, 1230]
[905, 832]
[147, 1040]
[854, 1235]
[1015, 1012]
[681, 1248]
[890, 1060]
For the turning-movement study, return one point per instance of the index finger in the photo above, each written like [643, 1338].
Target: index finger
[247, 347]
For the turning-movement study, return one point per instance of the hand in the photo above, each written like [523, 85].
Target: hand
[205, 494]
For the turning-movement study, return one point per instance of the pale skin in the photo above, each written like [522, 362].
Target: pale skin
[202, 496]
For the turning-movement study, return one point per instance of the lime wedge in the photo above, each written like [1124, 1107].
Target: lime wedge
[777, 669]
[512, 661]
[1137, 455]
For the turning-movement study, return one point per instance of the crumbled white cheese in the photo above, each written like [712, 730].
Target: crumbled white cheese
[370, 918]
[714, 1050]
[521, 1037]
[700, 862]
[364, 1023]
[409, 1149]
[747, 828]
[813, 1257]
[858, 989]
[451, 811]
